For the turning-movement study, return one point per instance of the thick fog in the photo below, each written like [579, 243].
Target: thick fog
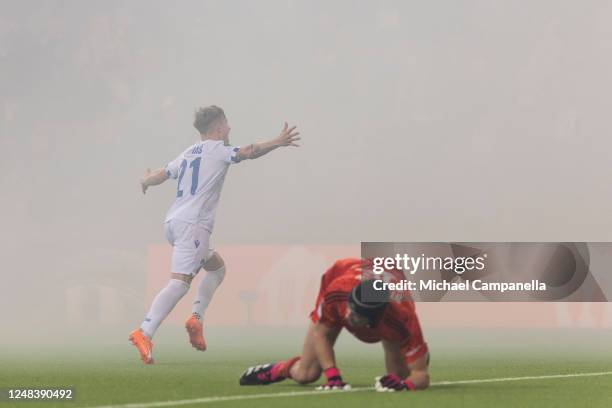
[421, 120]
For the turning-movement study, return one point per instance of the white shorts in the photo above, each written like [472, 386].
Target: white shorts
[191, 246]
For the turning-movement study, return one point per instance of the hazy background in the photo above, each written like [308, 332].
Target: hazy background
[421, 120]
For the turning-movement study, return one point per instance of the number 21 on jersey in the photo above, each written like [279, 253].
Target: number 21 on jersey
[195, 172]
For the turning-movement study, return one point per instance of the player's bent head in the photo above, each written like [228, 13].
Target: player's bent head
[366, 303]
[208, 118]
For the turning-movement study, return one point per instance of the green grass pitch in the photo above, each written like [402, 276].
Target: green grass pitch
[111, 374]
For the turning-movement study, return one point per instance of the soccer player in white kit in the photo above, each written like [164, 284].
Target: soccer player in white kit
[200, 171]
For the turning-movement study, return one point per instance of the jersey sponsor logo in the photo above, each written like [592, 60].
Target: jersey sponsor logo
[197, 149]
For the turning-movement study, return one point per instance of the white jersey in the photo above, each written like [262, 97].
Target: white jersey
[200, 171]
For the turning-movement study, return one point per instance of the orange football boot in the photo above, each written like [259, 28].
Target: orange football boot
[143, 344]
[196, 333]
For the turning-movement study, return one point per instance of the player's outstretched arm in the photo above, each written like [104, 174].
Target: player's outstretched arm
[287, 137]
[153, 178]
[324, 338]
[400, 375]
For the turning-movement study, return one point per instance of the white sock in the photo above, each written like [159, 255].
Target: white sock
[209, 283]
[163, 304]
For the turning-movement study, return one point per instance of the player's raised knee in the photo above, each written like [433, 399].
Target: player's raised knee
[307, 376]
[422, 382]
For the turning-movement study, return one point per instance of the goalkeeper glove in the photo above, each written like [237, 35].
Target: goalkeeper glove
[334, 381]
[392, 382]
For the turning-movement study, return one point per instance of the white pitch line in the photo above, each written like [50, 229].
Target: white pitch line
[206, 400]
[533, 377]
[224, 398]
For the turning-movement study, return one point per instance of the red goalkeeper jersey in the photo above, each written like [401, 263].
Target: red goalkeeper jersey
[398, 323]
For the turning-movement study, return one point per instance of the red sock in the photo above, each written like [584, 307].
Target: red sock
[282, 368]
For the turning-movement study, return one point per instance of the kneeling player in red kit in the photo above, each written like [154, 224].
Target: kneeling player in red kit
[341, 304]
